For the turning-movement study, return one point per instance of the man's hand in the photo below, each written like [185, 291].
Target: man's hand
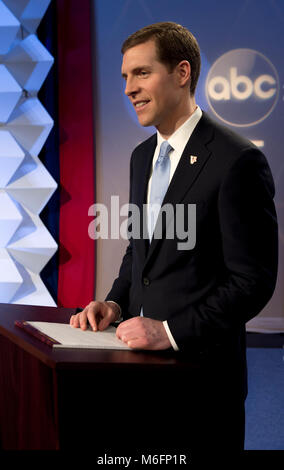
[143, 333]
[99, 315]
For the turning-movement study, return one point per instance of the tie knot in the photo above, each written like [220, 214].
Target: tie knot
[165, 149]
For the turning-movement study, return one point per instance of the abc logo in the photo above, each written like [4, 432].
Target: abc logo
[242, 87]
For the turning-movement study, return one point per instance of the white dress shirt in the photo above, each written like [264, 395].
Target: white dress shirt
[178, 141]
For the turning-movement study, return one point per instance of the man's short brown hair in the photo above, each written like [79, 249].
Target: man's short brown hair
[174, 43]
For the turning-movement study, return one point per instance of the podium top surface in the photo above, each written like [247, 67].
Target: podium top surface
[76, 358]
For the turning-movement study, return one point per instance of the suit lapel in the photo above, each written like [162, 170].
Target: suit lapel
[143, 170]
[186, 172]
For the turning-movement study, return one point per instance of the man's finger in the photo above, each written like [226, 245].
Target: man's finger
[108, 317]
[130, 327]
[74, 321]
[95, 315]
[104, 323]
[138, 343]
[92, 317]
[123, 327]
[82, 316]
[130, 334]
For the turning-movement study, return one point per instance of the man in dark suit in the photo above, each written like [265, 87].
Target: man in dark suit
[169, 296]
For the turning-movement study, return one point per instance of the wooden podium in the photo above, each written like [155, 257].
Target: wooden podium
[55, 399]
[119, 401]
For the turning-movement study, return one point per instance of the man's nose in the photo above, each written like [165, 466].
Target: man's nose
[131, 87]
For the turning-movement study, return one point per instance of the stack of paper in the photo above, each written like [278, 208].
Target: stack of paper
[69, 337]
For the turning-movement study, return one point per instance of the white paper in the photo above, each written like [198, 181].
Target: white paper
[70, 337]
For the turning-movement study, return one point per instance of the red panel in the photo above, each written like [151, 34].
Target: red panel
[77, 250]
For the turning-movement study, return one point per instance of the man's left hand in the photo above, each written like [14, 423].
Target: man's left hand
[143, 333]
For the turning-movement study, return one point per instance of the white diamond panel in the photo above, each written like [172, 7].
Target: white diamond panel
[30, 124]
[26, 246]
[29, 62]
[10, 278]
[11, 156]
[10, 93]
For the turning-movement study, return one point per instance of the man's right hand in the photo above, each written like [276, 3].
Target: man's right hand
[98, 314]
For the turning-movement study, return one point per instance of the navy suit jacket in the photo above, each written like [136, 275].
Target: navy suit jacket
[208, 293]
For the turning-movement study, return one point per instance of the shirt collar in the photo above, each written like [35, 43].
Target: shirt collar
[179, 138]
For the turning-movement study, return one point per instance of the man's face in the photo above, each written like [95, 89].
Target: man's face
[153, 91]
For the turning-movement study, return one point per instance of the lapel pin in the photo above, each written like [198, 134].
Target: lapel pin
[193, 159]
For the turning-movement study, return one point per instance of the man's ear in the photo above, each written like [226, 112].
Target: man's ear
[184, 72]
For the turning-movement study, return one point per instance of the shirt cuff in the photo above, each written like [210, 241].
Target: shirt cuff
[120, 313]
[170, 336]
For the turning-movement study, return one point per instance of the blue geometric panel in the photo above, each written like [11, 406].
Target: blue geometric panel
[10, 278]
[29, 62]
[10, 218]
[25, 184]
[28, 12]
[10, 93]
[9, 26]
[34, 188]
[30, 124]
[11, 156]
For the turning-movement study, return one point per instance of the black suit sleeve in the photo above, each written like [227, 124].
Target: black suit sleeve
[248, 227]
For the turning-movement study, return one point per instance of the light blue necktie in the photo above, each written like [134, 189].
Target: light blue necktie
[159, 186]
[160, 183]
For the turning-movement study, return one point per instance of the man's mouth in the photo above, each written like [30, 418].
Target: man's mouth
[140, 104]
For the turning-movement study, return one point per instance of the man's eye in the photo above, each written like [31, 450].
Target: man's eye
[143, 73]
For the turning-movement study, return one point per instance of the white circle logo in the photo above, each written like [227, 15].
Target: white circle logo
[242, 87]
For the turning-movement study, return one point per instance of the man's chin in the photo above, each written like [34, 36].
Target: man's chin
[145, 122]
